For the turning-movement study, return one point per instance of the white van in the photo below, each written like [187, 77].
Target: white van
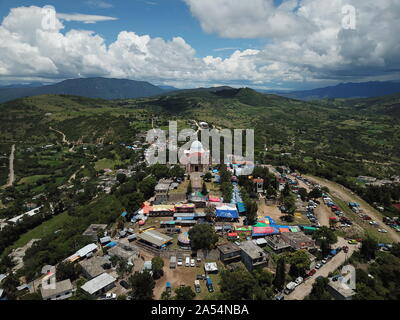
[187, 262]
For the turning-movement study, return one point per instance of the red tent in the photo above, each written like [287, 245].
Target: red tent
[232, 235]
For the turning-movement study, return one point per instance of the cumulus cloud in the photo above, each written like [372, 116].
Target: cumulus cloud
[308, 35]
[308, 44]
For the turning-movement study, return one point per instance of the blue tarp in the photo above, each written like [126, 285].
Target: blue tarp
[271, 221]
[111, 244]
[241, 207]
[123, 214]
[185, 218]
[209, 281]
[233, 214]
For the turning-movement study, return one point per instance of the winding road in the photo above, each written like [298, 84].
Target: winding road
[11, 175]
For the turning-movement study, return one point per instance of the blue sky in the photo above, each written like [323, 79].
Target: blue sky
[157, 18]
[270, 44]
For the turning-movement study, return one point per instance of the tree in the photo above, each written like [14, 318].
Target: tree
[157, 265]
[6, 264]
[368, 248]
[290, 204]
[123, 267]
[208, 177]
[210, 213]
[299, 263]
[177, 172]
[303, 194]
[204, 190]
[10, 284]
[319, 290]
[315, 193]
[189, 189]
[121, 178]
[251, 211]
[238, 285]
[202, 236]
[184, 293]
[67, 270]
[324, 233]
[280, 274]
[142, 286]
[396, 250]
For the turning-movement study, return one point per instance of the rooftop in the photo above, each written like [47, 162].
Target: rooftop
[98, 283]
[60, 287]
[154, 237]
[228, 248]
[252, 250]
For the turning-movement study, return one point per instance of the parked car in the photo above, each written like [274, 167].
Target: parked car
[197, 287]
[382, 230]
[192, 263]
[324, 261]
[124, 284]
[187, 262]
[319, 265]
[352, 242]
[281, 297]
[311, 272]
[111, 296]
[180, 262]
[299, 280]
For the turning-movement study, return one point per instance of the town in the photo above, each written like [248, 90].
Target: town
[202, 227]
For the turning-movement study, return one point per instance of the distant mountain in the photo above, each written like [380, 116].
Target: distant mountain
[23, 85]
[87, 87]
[168, 88]
[346, 90]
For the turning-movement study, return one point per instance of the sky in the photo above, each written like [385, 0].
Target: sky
[264, 44]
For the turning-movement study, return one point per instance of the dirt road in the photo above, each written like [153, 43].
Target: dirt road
[11, 175]
[305, 288]
[347, 195]
[323, 213]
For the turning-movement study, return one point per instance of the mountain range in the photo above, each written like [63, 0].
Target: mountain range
[110, 89]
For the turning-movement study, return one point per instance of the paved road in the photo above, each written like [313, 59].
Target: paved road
[11, 176]
[347, 195]
[305, 288]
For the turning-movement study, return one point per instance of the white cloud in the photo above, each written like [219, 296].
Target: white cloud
[99, 4]
[312, 46]
[85, 18]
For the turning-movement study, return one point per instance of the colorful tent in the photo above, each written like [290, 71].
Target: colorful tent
[227, 211]
[232, 235]
[264, 231]
[261, 224]
[214, 199]
[241, 207]
[184, 239]
[282, 230]
[294, 229]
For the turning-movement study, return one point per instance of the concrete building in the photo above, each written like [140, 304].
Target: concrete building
[161, 193]
[298, 240]
[93, 230]
[94, 267]
[229, 252]
[60, 291]
[252, 255]
[277, 244]
[99, 285]
[340, 290]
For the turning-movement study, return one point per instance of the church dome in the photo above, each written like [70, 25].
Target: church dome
[196, 146]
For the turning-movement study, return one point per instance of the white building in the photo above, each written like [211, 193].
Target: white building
[100, 284]
[60, 291]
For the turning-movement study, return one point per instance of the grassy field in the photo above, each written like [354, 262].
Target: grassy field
[32, 179]
[44, 229]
